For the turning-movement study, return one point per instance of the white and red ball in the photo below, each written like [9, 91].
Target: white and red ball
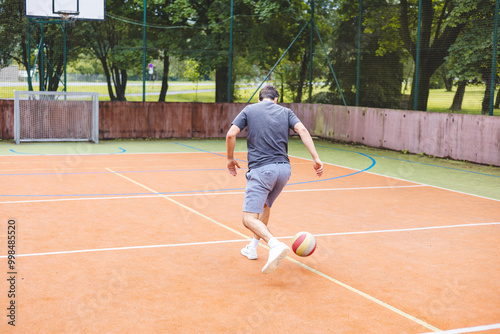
[303, 244]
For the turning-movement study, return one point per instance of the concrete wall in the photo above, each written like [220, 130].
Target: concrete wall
[461, 137]
[473, 138]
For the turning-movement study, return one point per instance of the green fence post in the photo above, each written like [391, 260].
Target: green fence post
[63, 26]
[417, 60]
[494, 60]
[230, 53]
[28, 47]
[144, 52]
[311, 49]
[359, 50]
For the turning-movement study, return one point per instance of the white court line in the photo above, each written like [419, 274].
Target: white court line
[400, 230]
[471, 329]
[379, 302]
[363, 294]
[240, 240]
[128, 248]
[180, 204]
[198, 194]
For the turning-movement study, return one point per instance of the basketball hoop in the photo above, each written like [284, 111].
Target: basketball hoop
[68, 17]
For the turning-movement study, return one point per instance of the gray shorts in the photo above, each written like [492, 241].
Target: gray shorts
[264, 184]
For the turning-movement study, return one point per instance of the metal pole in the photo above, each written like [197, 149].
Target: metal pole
[417, 60]
[229, 99]
[41, 51]
[494, 60]
[359, 50]
[28, 57]
[311, 46]
[144, 52]
[63, 24]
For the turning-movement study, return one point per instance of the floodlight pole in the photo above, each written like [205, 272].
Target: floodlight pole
[144, 52]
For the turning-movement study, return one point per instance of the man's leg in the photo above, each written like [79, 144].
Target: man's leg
[278, 250]
[250, 250]
[263, 217]
[258, 227]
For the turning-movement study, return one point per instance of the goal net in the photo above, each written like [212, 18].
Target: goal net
[56, 116]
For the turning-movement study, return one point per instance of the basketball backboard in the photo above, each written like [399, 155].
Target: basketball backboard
[86, 9]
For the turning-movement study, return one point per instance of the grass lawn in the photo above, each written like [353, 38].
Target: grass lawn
[440, 100]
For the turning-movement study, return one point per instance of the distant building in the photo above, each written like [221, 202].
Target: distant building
[9, 73]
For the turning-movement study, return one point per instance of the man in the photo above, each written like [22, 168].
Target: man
[269, 167]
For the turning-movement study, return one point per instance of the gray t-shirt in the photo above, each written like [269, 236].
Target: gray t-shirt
[268, 127]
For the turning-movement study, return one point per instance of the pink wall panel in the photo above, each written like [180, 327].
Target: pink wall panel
[473, 138]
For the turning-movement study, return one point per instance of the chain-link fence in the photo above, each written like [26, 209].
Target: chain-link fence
[419, 54]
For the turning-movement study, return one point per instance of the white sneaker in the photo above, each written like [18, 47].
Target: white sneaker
[276, 254]
[249, 252]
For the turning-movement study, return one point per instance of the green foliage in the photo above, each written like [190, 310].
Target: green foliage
[381, 68]
[472, 50]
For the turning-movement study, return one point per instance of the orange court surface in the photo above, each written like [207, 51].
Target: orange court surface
[150, 243]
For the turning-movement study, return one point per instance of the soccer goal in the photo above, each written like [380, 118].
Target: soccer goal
[56, 116]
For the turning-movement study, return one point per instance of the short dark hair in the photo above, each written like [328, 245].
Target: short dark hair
[268, 92]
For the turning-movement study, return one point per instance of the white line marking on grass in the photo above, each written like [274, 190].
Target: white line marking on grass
[471, 329]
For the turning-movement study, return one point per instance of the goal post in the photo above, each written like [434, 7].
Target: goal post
[56, 116]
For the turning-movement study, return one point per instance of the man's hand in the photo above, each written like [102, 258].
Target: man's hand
[231, 166]
[318, 166]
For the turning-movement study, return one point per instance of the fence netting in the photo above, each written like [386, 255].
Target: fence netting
[433, 55]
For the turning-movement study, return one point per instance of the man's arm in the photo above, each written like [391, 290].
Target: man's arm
[305, 136]
[230, 144]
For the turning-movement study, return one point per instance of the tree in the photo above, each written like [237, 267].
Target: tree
[13, 32]
[113, 42]
[471, 55]
[381, 62]
[169, 33]
[442, 22]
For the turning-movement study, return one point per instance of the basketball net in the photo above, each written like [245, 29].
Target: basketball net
[69, 19]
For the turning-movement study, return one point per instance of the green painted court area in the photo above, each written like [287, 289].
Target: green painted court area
[460, 176]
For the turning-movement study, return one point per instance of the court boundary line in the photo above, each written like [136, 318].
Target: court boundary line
[471, 329]
[107, 249]
[352, 289]
[242, 240]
